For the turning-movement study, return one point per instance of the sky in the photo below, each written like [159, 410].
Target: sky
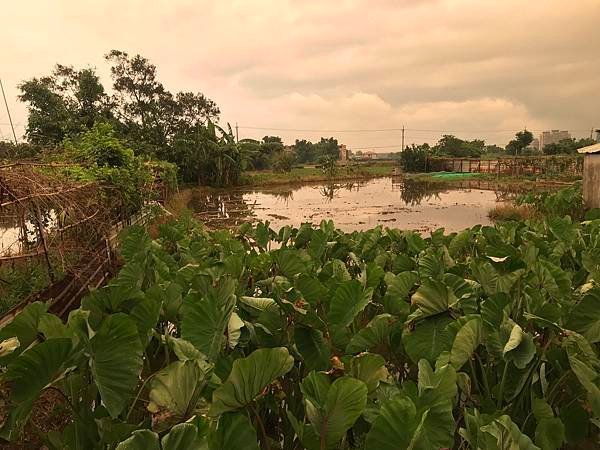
[342, 68]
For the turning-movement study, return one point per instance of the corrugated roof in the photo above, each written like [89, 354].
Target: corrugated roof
[594, 148]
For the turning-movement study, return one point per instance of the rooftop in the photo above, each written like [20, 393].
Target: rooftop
[594, 148]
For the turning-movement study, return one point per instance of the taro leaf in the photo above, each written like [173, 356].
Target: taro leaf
[116, 361]
[289, 262]
[396, 294]
[233, 431]
[433, 297]
[249, 377]
[459, 243]
[368, 368]
[431, 265]
[591, 262]
[305, 432]
[550, 431]
[374, 275]
[428, 339]
[183, 436]
[140, 440]
[234, 330]
[258, 304]
[184, 350]
[34, 370]
[585, 317]
[311, 289]
[333, 413]
[505, 434]
[520, 348]
[205, 319]
[348, 301]
[491, 280]
[318, 244]
[375, 334]
[313, 348]
[466, 340]
[421, 423]
[585, 365]
[492, 311]
[177, 388]
[394, 427]
[24, 327]
[37, 367]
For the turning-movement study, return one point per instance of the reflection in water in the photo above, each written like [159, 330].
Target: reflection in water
[394, 202]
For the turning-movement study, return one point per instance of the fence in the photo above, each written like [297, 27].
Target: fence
[522, 165]
[66, 294]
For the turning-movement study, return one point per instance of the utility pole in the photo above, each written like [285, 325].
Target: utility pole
[402, 137]
[8, 111]
[237, 139]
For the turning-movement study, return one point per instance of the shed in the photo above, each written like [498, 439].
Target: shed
[591, 175]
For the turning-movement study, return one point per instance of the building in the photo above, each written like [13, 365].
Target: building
[552, 137]
[535, 144]
[591, 175]
[343, 152]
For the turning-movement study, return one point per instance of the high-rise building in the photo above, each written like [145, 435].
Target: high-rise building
[553, 137]
[343, 152]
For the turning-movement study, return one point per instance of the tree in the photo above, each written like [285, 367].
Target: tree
[522, 140]
[148, 113]
[414, 158]
[65, 103]
[327, 147]
[305, 151]
[452, 146]
[567, 146]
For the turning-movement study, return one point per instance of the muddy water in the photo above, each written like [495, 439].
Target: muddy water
[391, 202]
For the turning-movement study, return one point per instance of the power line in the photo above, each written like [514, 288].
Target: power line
[377, 130]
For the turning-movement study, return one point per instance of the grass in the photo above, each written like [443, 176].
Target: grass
[306, 174]
[508, 211]
[18, 281]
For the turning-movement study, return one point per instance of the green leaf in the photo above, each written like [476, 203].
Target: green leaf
[520, 348]
[368, 368]
[34, 370]
[234, 330]
[585, 317]
[428, 339]
[313, 348]
[466, 341]
[348, 301]
[433, 297]
[140, 440]
[311, 289]
[183, 436]
[394, 427]
[116, 361]
[233, 431]
[459, 243]
[249, 377]
[206, 318]
[333, 414]
[375, 334]
[506, 435]
[398, 288]
[177, 388]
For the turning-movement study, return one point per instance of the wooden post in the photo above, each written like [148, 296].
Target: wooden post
[42, 235]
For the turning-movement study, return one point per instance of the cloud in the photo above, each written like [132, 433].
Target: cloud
[444, 65]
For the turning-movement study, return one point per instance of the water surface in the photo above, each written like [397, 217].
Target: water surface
[393, 202]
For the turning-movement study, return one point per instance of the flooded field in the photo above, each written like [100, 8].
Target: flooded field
[392, 202]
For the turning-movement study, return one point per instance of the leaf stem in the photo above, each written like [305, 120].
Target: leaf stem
[263, 431]
[501, 391]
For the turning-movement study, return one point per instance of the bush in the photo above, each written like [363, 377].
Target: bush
[283, 161]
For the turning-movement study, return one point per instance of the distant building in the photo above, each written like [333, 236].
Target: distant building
[535, 144]
[552, 137]
[343, 152]
[369, 155]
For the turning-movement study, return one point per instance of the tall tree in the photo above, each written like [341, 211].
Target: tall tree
[62, 104]
[522, 140]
